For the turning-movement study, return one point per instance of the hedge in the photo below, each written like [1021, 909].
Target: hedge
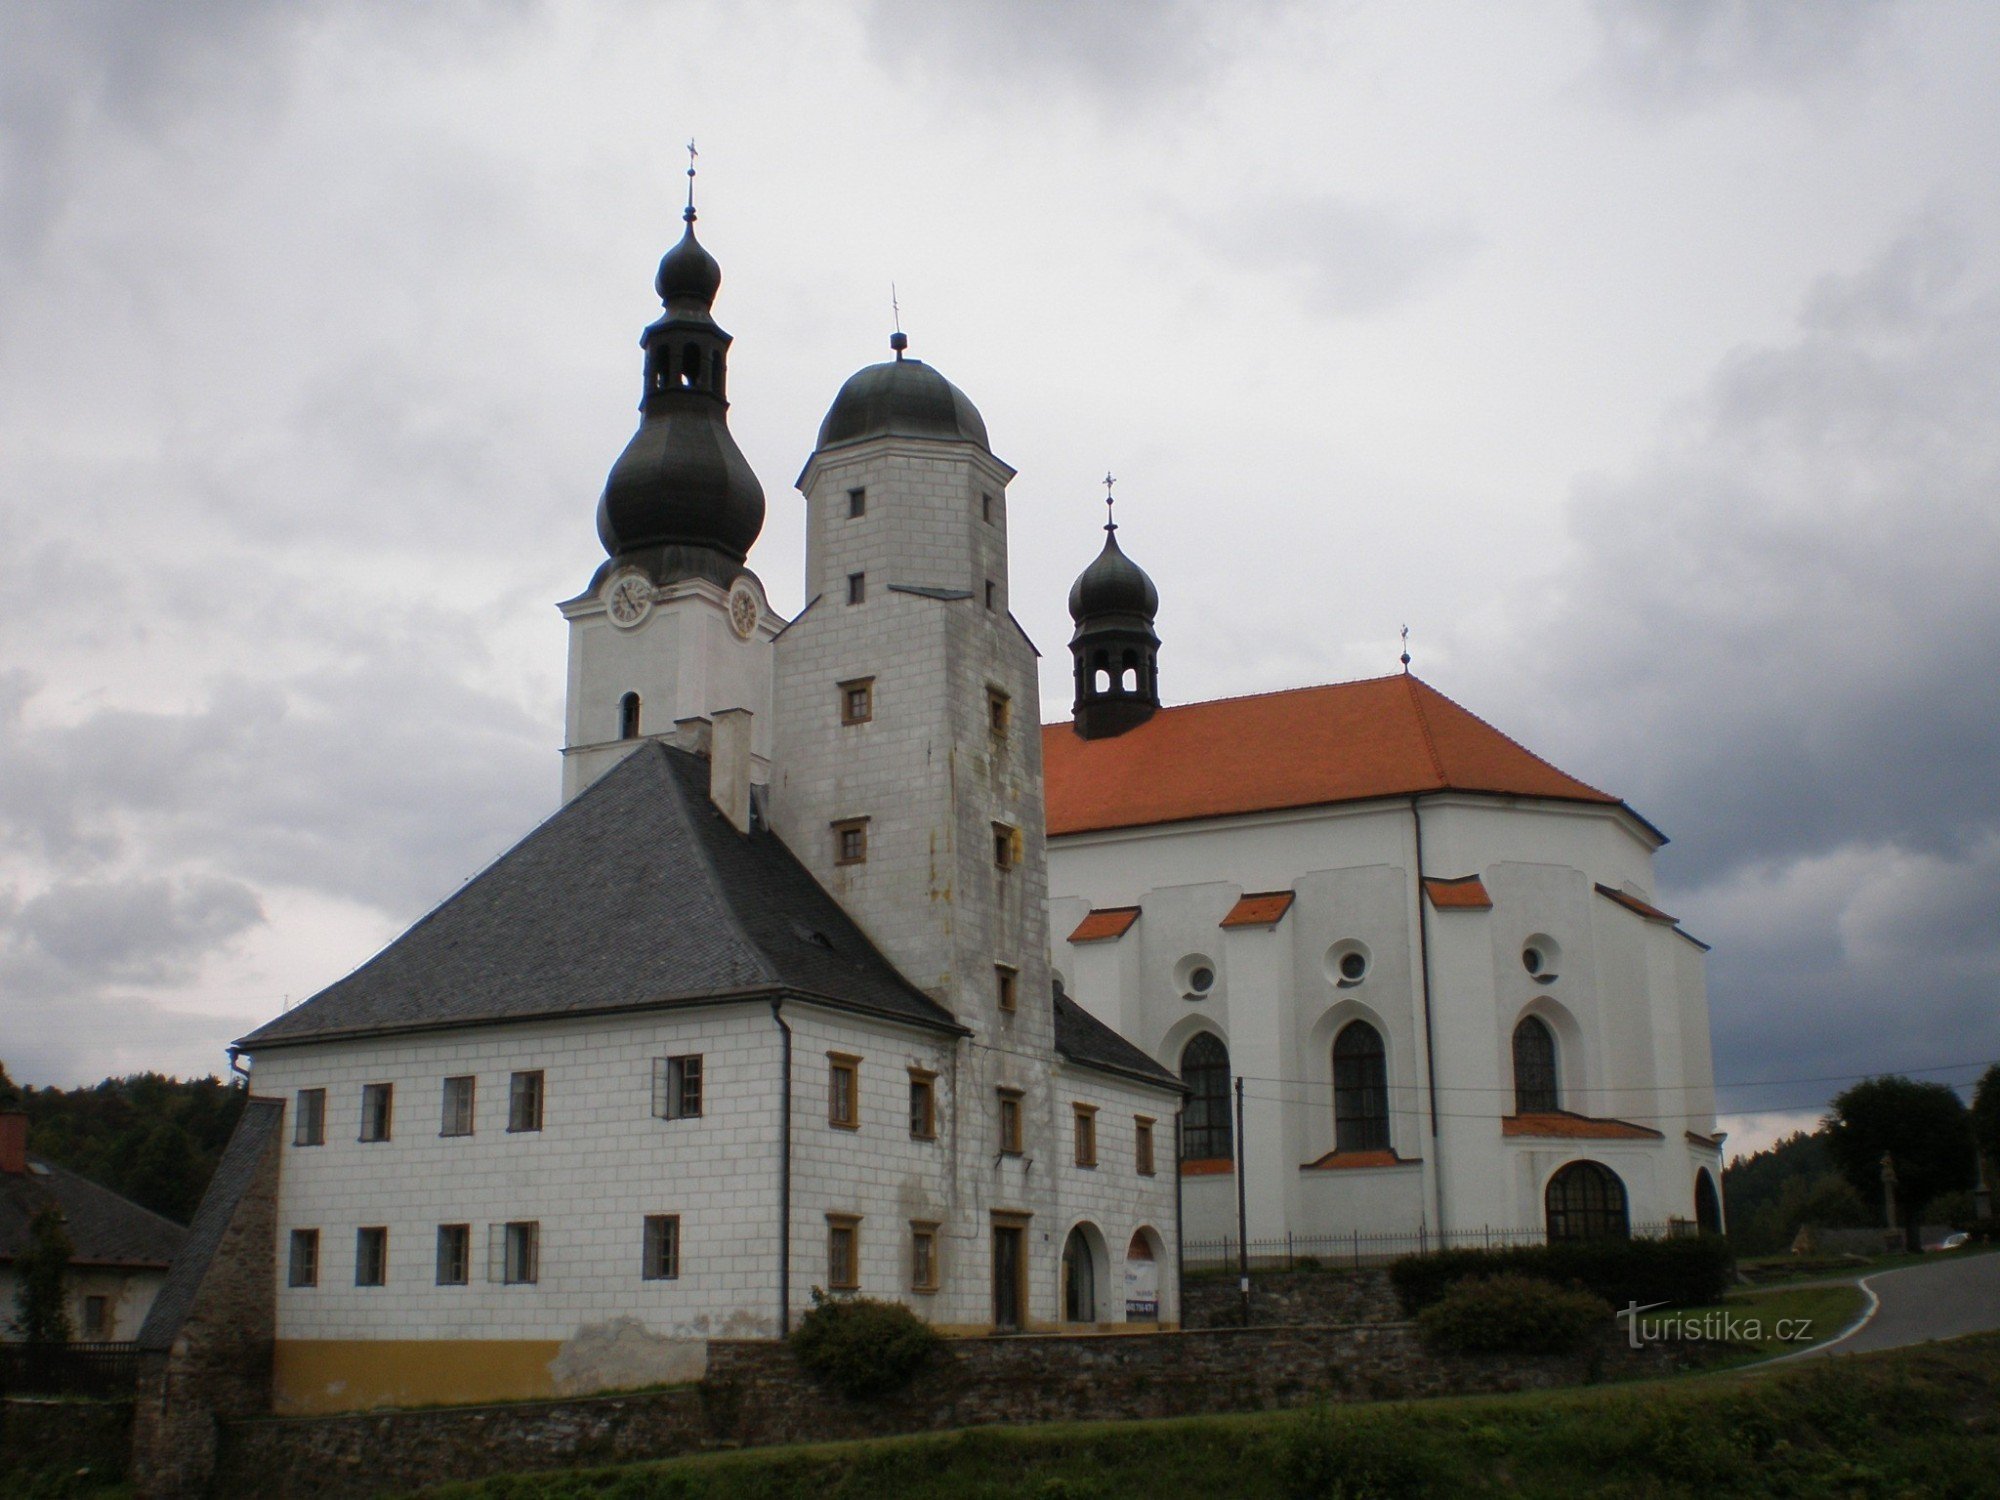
[1694, 1269]
[1511, 1314]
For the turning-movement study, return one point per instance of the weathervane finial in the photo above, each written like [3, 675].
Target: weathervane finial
[1110, 523]
[688, 213]
[1406, 649]
[899, 340]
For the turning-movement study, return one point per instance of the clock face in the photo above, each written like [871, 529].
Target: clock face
[630, 600]
[744, 610]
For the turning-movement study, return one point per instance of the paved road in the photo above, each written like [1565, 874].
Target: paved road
[1917, 1303]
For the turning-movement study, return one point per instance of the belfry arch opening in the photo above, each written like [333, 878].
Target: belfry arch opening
[628, 717]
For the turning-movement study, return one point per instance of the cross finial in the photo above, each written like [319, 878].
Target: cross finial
[688, 213]
[899, 340]
[1406, 648]
[1110, 524]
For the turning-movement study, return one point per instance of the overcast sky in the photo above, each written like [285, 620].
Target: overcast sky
[1643, 356]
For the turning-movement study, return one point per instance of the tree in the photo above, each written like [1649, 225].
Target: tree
[41, 1272]
[1922, 1127]
[1986, 1117]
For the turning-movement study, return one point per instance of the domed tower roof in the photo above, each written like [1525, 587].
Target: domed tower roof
[901, 398]
[1112, 586]
[1114, 650]
[682, 500]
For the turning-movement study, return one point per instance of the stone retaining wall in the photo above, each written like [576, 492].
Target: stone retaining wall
[63, 1436]
[1291, 1297]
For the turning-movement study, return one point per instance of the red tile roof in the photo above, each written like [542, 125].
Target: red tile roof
[1561, 1124]
[1266, 909]
[1634, 904]
[1107, 922]
[1464, 893]
[1339, 1161]
[1306, 747]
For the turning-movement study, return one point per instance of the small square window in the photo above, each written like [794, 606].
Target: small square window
[1086, 1134]
[843, 1091]
[662, 1260]
[309, 1124]
[999, 710]
[857, 701]
[1006, 846]
[302, 1268]
[1006, 985]
[923, 1257]
[454, 1255]
[677, 1087]
[843, 1252]
[514, 1253]
[857, 587]
[458, 1094]
[850, 842]
[923, 1105]
[371, 1257]
[1142, 1145]
[97, 1317]
[1010, 1121]
[377, 1106]
[857, 503]
[524, 1101]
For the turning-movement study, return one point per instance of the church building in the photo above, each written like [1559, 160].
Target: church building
[765, 1010]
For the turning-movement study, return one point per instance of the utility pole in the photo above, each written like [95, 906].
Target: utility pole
[1242, 1212]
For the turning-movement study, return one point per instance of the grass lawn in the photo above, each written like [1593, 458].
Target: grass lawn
[1764, 1322]
[1920, 1422]
[1776, 1270]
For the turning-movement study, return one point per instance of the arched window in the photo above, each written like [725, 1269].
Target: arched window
[1128, 672]
[1534, 1067]
[1587, 1202]
[628, 717]
[1707, 1204]
[1205, 1070]
[1079, 1273]
[1360, 1089]
[691, 366]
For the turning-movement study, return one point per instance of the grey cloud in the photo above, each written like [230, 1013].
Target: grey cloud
[1673, 53]
[141, 929]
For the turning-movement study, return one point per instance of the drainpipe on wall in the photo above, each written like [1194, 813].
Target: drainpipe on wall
[784, 1176]
[1180, 1254]
[1242, 1215]
[1424, 1004]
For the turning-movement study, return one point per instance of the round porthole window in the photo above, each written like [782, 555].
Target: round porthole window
[1195, 975]
[1347, 963]
[1541, 957]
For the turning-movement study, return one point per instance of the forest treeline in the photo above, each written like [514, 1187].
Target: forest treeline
[152, 1138]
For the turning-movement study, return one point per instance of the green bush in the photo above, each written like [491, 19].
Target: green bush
[1510, 1314]
[1694, 1269]
[860, 1346]
[1331, 1455]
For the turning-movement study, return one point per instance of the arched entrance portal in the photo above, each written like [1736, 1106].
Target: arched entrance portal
[1707, 1204]
[1079, 1278]
[1142, 1280]
[1586, 1201]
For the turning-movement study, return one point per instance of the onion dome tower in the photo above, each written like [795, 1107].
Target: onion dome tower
[682, 501]
[1116, 653]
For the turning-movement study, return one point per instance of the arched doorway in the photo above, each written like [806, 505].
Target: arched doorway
[1142, 1280]
[1707, 1203]
[1079, 1278]
[1586, 1201]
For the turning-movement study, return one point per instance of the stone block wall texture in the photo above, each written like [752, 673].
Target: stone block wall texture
[756, 1394]
[1278, 1298]
[64, 1437]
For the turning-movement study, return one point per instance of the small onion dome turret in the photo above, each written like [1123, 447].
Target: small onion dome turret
[901, 398]
[1112, 587]
[688, 272]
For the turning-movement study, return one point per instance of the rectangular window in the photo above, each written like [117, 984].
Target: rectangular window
[923, 1257]
[376, 1108]
[457, 1106]
[371, 1256]
[992, 594]
[97, 1317]
[1010, 1121]
[1006, 846]
[677, 1087]
[1142, 1145]
[1086, 1134]
[986, 509]
[662, 1260]
[454, 1266]
[524, 1101]
[999, 710]
[923, 1105]
[843, 1091]
[514, 1253]
[1006, 986]
[857, 503]
[857, 587]
[857, 701]
[843, 1252]
[309, 1124]
[302, 1268]
[850, 841]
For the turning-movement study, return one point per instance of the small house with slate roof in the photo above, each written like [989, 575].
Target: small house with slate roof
[119, 1252]
[765, 1010]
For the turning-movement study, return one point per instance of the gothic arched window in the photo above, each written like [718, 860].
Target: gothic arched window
[628, 717]
[1360, 1089]
[1586, 1201]
[1707, 1204]
[1205, 1070]
[1534, 1067]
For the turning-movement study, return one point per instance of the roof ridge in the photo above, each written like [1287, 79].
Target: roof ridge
[1309, 687]
[1424, 729]
[1494, 729]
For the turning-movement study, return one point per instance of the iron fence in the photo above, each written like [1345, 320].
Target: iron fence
[1378, 1247]
[68, 1369]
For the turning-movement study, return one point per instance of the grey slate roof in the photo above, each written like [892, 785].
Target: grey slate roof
[1086, 1041]
[104, 1229]
[254, 1133]
[637, 893]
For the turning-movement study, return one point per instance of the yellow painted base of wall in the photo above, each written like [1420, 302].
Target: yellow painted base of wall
[322, 1375]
